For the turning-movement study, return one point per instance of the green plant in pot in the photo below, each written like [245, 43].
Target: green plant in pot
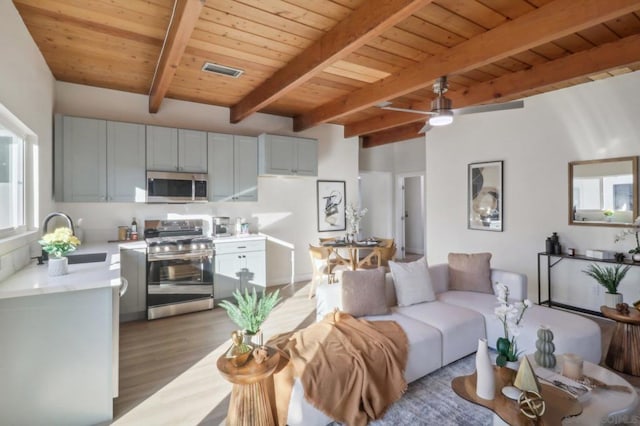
[609, 277]
[250, 311]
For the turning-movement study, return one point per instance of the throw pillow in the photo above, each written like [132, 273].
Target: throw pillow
[363, 292]
[412, 282]
[470, 272]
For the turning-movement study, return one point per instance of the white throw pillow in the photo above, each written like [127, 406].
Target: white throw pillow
[412, 282]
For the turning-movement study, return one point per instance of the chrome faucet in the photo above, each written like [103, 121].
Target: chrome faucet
[45, 222]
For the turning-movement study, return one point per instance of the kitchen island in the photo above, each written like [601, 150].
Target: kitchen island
[58, 363]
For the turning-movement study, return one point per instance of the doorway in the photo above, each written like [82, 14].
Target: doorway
[410, 216]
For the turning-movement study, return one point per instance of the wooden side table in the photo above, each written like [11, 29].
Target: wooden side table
[624, 350]
[249, 404]
[559, 404]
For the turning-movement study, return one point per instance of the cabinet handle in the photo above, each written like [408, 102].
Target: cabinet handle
[241, 247]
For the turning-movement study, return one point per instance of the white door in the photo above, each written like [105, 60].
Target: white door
[410, 215]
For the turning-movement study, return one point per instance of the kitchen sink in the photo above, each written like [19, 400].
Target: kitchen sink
[86, 258]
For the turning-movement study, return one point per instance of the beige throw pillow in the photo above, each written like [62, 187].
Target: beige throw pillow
[412, 282]
[363, 292]
[470, 272]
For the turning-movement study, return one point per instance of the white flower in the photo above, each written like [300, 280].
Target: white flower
[354, 216]
[527, 303]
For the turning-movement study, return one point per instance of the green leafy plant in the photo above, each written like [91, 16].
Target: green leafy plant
[60, 242]
[608, 213]
[607, 276]
[250, 311]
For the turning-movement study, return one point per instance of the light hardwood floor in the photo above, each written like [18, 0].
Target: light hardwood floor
[168, 372]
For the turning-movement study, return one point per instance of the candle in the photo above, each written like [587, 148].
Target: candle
[572, 366]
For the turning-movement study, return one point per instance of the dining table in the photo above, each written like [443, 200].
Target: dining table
[348, 253]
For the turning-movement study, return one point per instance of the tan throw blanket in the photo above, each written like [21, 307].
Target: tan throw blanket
[352, 370]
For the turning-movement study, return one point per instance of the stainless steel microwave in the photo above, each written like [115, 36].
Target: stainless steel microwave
[171, 187]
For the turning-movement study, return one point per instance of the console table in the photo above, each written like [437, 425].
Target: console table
[553, 260]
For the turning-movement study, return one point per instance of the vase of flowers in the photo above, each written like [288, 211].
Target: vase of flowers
[58, 244]
[354, 216]
[510, 315]
[634, 230]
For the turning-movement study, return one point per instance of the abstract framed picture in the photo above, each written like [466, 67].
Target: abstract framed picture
[332, 199]
[485, 196]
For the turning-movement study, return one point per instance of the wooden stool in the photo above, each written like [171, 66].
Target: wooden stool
[624, 349]
[249, 404]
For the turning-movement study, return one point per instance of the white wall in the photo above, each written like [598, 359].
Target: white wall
[26, 90]
[589, 121]
[286, 207]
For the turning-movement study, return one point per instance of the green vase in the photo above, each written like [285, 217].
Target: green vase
[544, 354]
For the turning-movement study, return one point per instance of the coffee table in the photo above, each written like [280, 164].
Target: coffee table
[623, 354]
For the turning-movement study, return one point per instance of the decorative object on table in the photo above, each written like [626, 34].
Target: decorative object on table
[608, 215]
[58, 244]
[485, 196]
[526, 379]
[555, 244]
[544, 348]
[239, 352]
[571, 251]
[354, 216]
[511, 392]
[572, 365]
[636, 304]
[609, 277]
[619, 257]
[260, 354]
[531, 404]
[486, 382]
[510, 315]
[332, 199]
[548, 246]
[251, 311]
[634, 230]
[622, 308]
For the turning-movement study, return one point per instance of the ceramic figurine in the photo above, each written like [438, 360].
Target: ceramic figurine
[544, 354]
[239, 352]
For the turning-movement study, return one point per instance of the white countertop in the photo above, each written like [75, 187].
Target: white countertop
[34, 280]
[237, 238]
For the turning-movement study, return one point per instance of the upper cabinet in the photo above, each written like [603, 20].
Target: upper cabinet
[233, 166]
[98, 160]
[286, 155]
[172, 150]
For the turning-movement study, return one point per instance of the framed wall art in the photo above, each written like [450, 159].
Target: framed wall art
[332, 199]
[485, 196]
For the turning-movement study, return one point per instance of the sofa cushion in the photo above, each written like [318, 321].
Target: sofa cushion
[460, 327]
[470, 272]
[412, 282]
[363, 292]
[572, 332]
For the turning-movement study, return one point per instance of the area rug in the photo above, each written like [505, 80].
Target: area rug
[431, 401]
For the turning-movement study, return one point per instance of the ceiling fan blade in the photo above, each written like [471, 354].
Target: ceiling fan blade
[425, 128]
[488, 108]
[386, 105]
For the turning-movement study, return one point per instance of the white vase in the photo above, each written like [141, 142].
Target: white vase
[58, 266]
[485, 378]
[611, 300]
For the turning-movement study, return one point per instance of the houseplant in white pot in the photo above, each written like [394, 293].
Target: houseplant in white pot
[58, 244]
[609, 277]
[634, 230]
[250, 311]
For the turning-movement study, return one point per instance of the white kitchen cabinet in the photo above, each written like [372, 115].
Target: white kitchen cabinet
[240, 264]
[98, 160]
[233, 166]
[176, 150]
[287, 155]
[126, 163]
[133, 267]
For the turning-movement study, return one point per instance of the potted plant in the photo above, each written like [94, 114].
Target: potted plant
[608, 215]
[250, 311]
[609, 277]
[58, 244]
[510, 315]
[633, 230]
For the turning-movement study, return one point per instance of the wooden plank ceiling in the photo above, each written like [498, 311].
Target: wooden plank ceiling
[335, 60]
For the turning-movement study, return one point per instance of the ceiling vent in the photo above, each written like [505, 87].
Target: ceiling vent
[222, 70]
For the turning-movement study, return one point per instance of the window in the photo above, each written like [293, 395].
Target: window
[12, 214]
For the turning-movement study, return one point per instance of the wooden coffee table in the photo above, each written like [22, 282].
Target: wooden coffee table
[624, 349]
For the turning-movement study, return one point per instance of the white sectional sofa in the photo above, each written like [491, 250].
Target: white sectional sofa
[447, 329]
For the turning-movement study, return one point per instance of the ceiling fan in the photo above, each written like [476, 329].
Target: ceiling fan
[441, 112]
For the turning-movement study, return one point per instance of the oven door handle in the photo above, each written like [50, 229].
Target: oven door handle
[193, 187]
[180, 256]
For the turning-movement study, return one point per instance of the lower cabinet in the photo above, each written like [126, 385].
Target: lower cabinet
[133, 267]
[239, 265]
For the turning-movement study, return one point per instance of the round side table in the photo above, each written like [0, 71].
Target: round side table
[624, 350]
[249, 404]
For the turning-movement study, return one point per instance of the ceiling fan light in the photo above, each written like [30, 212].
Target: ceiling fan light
[443, 118]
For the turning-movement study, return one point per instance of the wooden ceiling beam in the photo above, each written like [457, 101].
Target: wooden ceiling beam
[603, 58]
[397, 134]
[181, 26]
[545, 24]
[362, 25]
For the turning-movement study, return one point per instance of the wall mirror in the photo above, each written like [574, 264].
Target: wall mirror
[603, 192]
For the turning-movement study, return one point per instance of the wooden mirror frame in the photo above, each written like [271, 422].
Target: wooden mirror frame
[634, 166]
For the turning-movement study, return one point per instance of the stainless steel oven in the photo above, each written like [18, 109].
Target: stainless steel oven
[171, 187]
[180, 269]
